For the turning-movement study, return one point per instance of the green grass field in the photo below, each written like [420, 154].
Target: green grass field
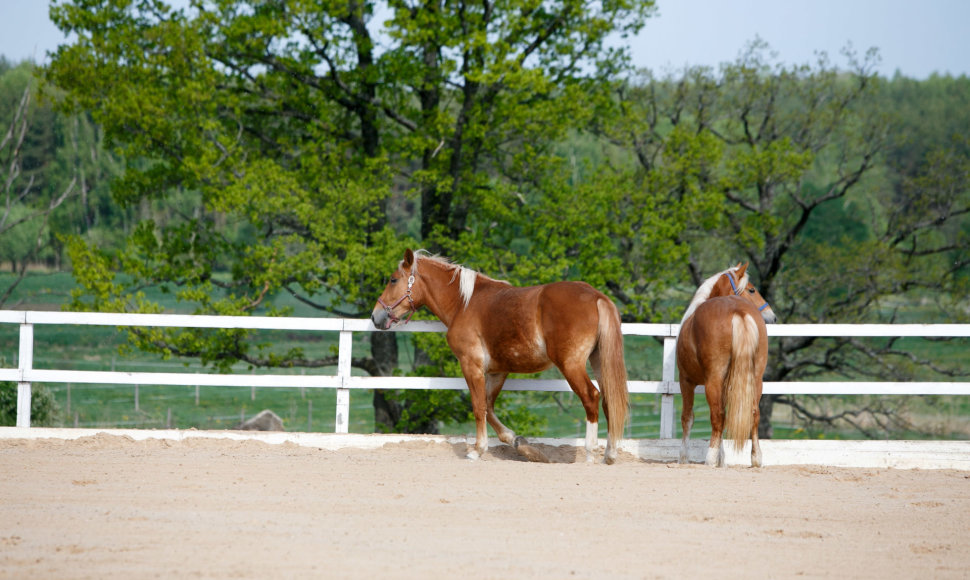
[152, 407]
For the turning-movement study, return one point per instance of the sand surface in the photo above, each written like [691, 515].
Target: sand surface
[111, 507]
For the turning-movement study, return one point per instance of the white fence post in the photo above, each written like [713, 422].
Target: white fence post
[667, 399]
[25, 363]
[345, 350]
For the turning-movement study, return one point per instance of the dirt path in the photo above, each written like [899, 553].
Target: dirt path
[110, 507]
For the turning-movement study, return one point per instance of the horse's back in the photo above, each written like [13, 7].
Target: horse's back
[714, 314]
[524, 329]
[563, 302]
[570, 307]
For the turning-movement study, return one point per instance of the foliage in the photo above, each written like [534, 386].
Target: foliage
[54, 173]
[25, 181]
[43, 408]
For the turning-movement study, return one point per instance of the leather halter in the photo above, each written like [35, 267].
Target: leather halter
[411, 309]
[738, 291]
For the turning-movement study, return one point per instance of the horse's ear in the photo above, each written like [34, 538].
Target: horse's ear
[742, 268]
[408, 258]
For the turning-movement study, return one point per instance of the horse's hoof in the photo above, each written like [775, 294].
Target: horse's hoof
[472, 455]
[609, 460]
[756, 460]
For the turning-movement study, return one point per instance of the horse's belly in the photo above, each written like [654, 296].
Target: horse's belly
[517, 360]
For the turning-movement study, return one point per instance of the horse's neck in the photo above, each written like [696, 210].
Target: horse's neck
[442, 289]
[708, 290]
[721, 288]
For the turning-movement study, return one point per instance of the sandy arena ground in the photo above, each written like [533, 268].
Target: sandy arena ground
[111, 507]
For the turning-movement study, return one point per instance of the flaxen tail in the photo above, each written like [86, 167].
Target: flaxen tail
[741, 380]
[612, 373]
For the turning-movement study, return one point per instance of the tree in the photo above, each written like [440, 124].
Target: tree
[786, 149]
[313, 132]
[27, 207]
[29, 204]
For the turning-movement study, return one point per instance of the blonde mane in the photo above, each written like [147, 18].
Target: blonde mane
[704, 290]
[466, 277]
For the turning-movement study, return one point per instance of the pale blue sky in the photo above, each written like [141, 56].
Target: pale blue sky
[916, 38]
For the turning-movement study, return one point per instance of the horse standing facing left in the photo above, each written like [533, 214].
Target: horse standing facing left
[723, 345]
[495, 329]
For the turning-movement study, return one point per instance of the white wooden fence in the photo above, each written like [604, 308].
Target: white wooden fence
[344, 382]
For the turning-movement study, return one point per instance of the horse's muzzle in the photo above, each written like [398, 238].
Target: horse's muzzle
[382, 318]
[769, 315]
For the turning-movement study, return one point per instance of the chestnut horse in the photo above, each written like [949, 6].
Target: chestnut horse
[723, 345]
[495, 329]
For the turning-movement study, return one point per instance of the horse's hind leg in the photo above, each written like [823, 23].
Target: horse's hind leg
[493, 386]
[590, 397]
[686, 416]
[715, 451]
[755, 446]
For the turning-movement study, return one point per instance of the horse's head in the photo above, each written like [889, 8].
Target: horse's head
[397, 300]
[735, 281]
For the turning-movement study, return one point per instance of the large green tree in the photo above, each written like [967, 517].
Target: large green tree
[304, 144]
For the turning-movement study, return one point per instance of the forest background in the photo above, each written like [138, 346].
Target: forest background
[276, 157]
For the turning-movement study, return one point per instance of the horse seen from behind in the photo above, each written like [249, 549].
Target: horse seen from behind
[495, 329]
[723, 345]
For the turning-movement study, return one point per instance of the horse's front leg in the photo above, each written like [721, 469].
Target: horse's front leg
[475, 379]
[493, 386]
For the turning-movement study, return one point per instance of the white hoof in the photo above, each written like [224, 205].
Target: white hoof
[610, 457]
[715, 457]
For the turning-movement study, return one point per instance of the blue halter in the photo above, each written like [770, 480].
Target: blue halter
[737, 291]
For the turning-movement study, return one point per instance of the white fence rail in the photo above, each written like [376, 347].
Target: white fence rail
[666, 387]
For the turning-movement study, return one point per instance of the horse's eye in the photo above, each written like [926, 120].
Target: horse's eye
[393, 280]
[750, 290]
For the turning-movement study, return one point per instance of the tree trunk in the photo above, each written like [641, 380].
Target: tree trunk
[766, 405]
[389, 409]
[383, 347]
